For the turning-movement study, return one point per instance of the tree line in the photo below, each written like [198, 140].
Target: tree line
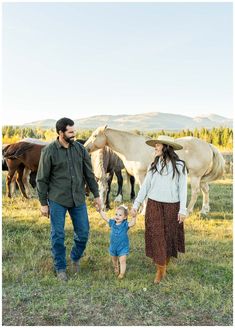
[220, 137]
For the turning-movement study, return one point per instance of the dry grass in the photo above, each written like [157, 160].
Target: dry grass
[197, 290]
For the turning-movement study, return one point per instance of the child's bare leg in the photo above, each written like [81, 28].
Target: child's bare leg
[115, 264]
[122, 260]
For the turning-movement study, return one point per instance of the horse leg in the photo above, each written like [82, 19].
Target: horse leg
[19, 180]
[139, 177]
[32, 180]
[109, 181]
[195, 190]
[205, 192]
[132, 181]
[87, 190]
[25, 181]
[103, 189]
[9, 179]
[119, 195]
[13, 184]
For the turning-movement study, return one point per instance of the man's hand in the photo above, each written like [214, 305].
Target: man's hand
[45, 210]
[133, 212]
[181, 218]
[97, 203]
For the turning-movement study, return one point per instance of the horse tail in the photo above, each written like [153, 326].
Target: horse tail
[218, 166]
[4, 165]
[15, 150]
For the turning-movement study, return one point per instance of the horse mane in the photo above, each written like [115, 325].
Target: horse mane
[5, 147]
[16, 150]
[130, 133]
[81, 141]
[98, 163]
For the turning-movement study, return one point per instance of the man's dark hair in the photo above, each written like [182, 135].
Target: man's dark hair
[63, 123]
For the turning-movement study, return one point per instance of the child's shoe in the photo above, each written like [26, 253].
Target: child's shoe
[121, 275]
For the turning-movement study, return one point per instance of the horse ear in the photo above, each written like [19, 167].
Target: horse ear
[104, 127]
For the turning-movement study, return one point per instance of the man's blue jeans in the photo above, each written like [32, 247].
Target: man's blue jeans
[80, 222]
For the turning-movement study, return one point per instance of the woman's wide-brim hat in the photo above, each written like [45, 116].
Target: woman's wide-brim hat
[166, 140]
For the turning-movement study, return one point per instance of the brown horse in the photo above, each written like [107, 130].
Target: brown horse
[26, 154]
[19, 156]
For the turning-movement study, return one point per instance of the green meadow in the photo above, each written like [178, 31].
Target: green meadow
[197, 290]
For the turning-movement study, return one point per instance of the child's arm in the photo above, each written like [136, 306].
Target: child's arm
[104, 216]
[132, 222]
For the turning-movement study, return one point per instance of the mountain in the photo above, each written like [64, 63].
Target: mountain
[144, 122]
[49, 123]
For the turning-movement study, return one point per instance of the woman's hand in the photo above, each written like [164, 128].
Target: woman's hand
[181, 218]
[133, 212]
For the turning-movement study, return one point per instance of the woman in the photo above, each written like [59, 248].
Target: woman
[165, 186]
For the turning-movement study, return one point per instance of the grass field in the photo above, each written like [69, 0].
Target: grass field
[197, 290]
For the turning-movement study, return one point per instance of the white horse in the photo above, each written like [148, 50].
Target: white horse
[203, 160]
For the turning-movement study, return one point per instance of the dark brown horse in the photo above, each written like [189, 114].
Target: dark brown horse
[106, 160]
[26, 155]
[19, 156]
[105, 164]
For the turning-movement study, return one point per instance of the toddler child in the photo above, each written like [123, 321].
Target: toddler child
[119, 241]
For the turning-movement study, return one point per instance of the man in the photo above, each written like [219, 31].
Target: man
[63, 169]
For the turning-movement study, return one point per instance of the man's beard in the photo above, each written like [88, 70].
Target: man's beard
[69, 140]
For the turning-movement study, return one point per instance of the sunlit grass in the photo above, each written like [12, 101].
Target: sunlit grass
[196, 291]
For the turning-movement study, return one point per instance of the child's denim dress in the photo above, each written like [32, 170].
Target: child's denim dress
[119, 241]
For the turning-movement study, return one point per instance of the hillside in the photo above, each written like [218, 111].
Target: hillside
[143, 122]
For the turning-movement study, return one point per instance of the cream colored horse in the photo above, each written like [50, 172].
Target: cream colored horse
[203, 160]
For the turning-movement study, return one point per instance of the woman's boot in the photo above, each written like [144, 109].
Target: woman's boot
[161, 272]
[167, 262]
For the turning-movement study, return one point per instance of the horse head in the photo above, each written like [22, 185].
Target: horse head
[97, 140]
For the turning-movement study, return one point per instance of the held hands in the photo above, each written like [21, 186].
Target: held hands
[181, 218]
[133, 212]
[45, 210]
[97, 203]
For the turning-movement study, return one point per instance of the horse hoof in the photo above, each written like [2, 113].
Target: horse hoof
[203, 213]
[118, 199]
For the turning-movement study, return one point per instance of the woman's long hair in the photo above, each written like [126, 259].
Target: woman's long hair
[168, 153]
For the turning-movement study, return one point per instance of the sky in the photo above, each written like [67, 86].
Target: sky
[84, 59]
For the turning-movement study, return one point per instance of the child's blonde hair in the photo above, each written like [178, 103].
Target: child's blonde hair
[123, 208]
